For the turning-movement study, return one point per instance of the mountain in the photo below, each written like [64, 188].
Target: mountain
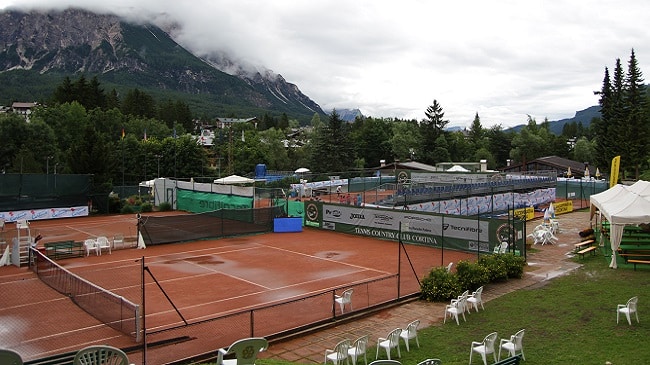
[347, 115]
[582, 116]
[39, 49]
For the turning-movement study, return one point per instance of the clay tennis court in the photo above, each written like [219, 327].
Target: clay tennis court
[219, 287]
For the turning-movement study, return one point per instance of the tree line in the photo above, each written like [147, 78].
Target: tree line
[130, 138]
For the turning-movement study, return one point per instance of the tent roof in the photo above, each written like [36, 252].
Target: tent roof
[234, 179]
[621, 205]
[457, 168]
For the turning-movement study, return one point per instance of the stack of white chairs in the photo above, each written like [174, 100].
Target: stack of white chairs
[457, 307]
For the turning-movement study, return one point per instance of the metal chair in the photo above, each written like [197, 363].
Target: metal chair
[100, 355]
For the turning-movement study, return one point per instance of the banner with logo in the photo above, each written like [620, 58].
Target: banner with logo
[47, 213]
[463, 233]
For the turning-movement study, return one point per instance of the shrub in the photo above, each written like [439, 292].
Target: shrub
[165, 206]
[440, 285]
[471, 275]
[146, 207]
[514, 265]
[127, 209]
[496, 267]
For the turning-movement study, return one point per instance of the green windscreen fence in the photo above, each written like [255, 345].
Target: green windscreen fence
[41, 191]
[200, 202]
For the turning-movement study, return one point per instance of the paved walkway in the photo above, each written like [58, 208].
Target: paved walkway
[549, 262]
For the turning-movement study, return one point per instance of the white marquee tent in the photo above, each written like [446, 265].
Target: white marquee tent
[621, 206]
[234, 179]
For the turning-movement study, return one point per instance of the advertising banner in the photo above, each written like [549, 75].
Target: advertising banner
[201, 202]
[463, 233]
[49, 213]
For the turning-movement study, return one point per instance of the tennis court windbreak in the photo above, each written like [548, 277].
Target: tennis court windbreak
[111, 309]
[158, 230]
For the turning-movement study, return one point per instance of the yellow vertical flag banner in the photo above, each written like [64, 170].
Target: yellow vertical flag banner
[613, 175]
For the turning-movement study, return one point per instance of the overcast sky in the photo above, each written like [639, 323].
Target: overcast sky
[501, 59]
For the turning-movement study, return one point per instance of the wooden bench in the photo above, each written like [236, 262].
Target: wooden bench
[514, 360]
[583, 244]
[64, 249]
[638, 262]
[585, 250]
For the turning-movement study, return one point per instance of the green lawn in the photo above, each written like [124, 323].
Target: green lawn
[570, 320]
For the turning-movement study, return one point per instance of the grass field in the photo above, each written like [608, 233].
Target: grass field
[569, 320]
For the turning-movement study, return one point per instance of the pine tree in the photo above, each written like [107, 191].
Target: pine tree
[636, 131]
[431, 129]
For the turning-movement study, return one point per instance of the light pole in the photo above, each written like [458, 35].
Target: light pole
[158, 157]
[47, 164]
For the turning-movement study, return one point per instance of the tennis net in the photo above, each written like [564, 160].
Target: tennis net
[209, 225]
[108, 307]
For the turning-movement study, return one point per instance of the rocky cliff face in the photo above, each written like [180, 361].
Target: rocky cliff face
[77, 41]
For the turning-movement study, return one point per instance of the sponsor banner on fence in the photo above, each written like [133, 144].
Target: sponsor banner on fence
[48, 213]
[563, 207]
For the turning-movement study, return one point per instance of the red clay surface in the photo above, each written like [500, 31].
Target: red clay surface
[204, 279]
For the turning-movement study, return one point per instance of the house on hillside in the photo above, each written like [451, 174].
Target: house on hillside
[224, 123]
[24, 109]
[557, 164]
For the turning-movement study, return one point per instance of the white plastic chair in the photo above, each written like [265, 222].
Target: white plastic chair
[91, 245]
[245, 351]
[390, 342]
[118, 240]
[475, 299]
[449, 266]
[100, 355]
[385, 362]
[457, 307]
[2, 224]
[339, 353]
[102, 244]
[358, 348]
[628, 309]
[501, 248]
[484, 348]
[514, 344]
[411, 332]
[343, 299]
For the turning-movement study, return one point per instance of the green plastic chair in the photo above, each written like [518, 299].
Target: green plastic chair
[10, 357]
[100, 355]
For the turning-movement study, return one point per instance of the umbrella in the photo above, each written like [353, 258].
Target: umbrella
[547, 215]
[587, 172]
[302, 170]
[597, 173]
[568, 172]
[551, 210]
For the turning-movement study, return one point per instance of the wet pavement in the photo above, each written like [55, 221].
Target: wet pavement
[545, 263]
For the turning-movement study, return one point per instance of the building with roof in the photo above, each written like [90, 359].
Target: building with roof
[559, 165]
